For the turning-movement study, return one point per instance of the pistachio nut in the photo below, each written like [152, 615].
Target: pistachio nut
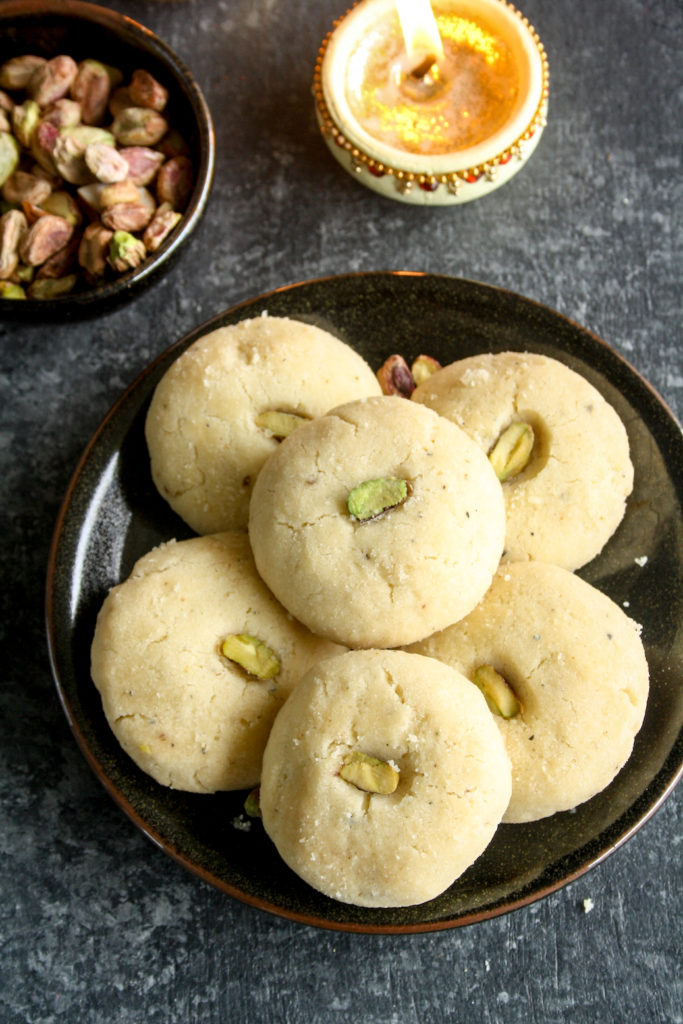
[43, 142]
[279, 424]
[174, 182]
[22, 186]
[8, 290]
[139, 126]
[126, 216]
[9, 156]
[251, 654]
[84, 135]
[369, 773]
[105, 162]
[90, 198]
[63, 262]
[143, 163]
[13, 227]
[252, 804]
[69, 151]
[118, 192]
[51, 80]
[125, 251]
[25, 118]
[63, 205]
[145, 91]
[5, 124]
[93, 249]
[373, 497]
[423, 367]
[395, 377]
[512, 451]
[500, 696]
[51, 287]
[63, 113]
[160, 226]
[44, 238]
[23, 274]
[91, 88]
[17, 72]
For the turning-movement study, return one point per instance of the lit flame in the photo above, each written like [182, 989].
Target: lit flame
[418, 25]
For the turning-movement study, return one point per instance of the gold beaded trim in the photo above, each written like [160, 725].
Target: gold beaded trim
[406, 180]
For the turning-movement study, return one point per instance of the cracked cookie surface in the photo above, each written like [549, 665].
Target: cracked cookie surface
[188, 716]
[432, 726]
[570, 497]
[206, 446]
[576, 663]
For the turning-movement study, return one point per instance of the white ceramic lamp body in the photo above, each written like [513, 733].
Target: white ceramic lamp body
[444, 178]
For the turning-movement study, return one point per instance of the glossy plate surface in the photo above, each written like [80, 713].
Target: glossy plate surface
[112, 514]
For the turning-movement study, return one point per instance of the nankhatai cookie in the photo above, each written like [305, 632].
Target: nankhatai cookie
[221, 407]
[559, 447]
[567, 666]
[377, 523]
[193, 657]
[384, 778]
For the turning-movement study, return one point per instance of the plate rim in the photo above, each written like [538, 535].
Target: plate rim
[499, 908]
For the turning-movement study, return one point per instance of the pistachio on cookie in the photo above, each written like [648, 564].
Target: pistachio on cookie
[369, 773]
[372, 497]
[251, 654]
[500, 696]
[280, 424]
[512, 451]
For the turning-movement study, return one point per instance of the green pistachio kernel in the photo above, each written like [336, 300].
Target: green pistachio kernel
[373, 497]
[279, 424]
[252, 804]
[251, 654]
[369, 773]
[500, 696]
[512, 450]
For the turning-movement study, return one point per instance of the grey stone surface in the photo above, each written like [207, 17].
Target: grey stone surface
[98, 925]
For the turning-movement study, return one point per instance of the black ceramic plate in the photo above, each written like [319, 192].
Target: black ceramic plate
[112, 514]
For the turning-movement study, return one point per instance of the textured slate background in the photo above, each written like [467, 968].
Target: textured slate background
[97, 924]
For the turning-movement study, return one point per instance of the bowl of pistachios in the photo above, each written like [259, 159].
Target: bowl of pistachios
[106, 158]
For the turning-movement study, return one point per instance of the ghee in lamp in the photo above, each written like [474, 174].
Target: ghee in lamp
[439, 122]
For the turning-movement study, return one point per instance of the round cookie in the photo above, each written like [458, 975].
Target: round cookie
[205, 446]
[568, 501]
[383, 849]
[188, 716]
[576, 663]
[400, 576]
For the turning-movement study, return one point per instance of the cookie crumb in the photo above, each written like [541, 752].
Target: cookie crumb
[588, 905]
[641, 561]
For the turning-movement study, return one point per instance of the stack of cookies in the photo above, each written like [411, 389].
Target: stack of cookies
[378, 623]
